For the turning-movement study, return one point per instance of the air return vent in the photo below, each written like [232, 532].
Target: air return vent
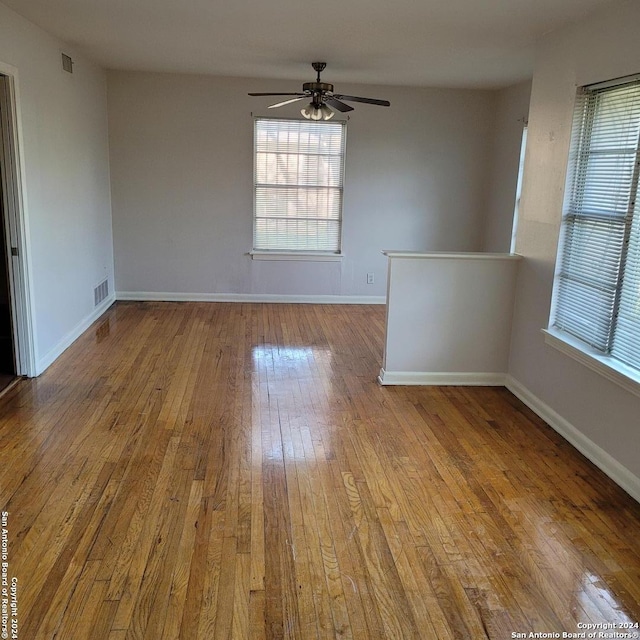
[100, 293]
[67, 63]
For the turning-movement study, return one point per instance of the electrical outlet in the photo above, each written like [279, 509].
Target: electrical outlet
[370, 278]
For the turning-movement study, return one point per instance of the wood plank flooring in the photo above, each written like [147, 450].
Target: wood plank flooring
[209, 471]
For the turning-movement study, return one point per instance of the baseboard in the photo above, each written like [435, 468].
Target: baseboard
[47, 360]
[428, 378]
[246, 297]
[604, 461]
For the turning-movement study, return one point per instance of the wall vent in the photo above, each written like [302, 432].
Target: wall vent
[100, 293]
[67, 63]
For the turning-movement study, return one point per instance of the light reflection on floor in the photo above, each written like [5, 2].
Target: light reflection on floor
[285, 400]
[595, 593]
[578, 590]
[276, 356]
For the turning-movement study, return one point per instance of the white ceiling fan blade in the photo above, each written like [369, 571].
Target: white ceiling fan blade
[281, 104]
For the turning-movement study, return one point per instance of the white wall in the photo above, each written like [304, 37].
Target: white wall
[65, 152]
[181, 160]
[512, 111]
[603, 47]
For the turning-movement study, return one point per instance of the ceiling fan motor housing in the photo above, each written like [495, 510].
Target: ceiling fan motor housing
[317, 90]
[317, 87]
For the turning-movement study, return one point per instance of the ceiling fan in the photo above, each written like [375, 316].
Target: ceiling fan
[322, 98]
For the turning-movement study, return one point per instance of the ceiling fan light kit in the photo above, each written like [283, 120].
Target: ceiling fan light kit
[312, 112]
[323, 99]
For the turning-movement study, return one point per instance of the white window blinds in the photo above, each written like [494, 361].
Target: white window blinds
[597, 290]
[298, 185]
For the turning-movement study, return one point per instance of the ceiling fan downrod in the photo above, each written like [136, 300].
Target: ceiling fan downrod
[319, 67]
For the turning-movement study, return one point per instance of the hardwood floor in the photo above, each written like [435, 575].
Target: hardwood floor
[234, 471]
[5, 380]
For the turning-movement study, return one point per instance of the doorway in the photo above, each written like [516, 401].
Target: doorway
[7, 350]
[16, 331]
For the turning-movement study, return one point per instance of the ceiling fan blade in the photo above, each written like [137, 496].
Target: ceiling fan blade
[381, 103]
[281, 104]
[277, 94]
[336, 104]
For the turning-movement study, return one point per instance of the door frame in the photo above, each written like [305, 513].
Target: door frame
[16, 225]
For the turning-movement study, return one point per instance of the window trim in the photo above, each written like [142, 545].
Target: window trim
[309, 256]
[604, 364]
[607, 366]
[299, 254]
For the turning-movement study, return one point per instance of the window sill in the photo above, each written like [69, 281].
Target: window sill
[608, 367]
[308, 256]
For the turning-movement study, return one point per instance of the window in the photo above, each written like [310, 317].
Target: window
[516, 210]
[298, 185]
[597, 286]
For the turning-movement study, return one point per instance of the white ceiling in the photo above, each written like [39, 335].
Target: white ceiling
[447, 43]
